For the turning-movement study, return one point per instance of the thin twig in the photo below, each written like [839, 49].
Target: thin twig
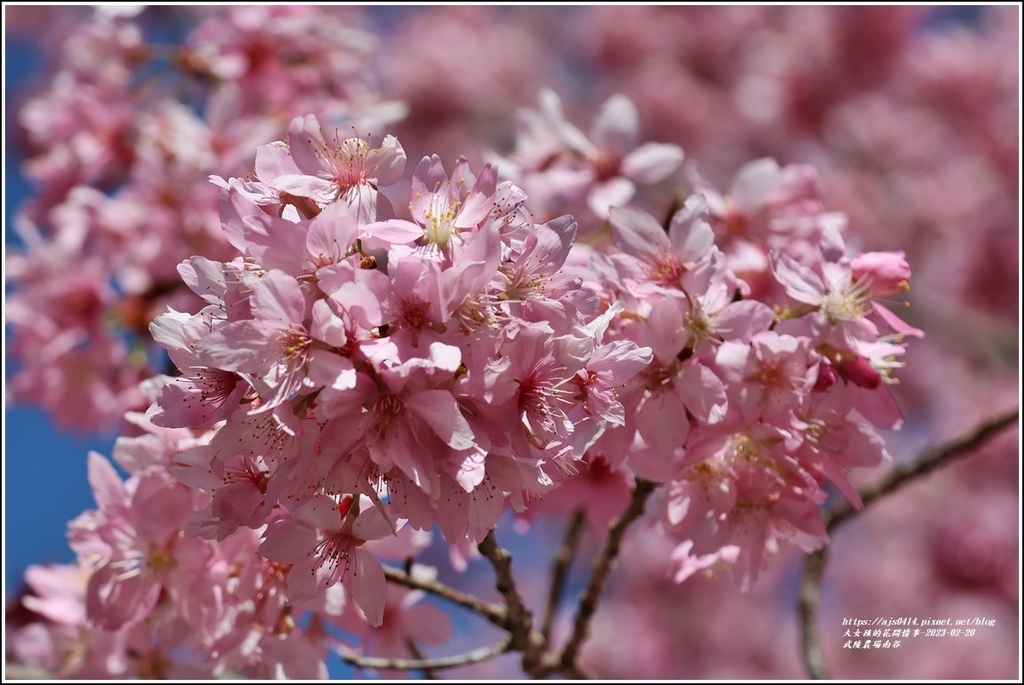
[560, 572]
[592, 593]
[492, 612]
[572, 672]
[814, 564]
[417, 653]
[476, 656]
[924, 463]
[807, 608]
[519, 622]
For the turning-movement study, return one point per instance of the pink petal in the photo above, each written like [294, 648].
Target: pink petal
[243, 346]
[331, 370]
[362, 200]
[113, 600]
[320, 512]
[192, 468]
[744, 319]
[690, 232]
[662, 422]
[288, 542]
[357, 292]
[703, 393]
[619, 361]
[666, 334]
[802, 284]
[278, 298]
[312, 187]
[755, 183]
[305, 137]
[652, 162]
[480, 201]
[373, 524]
[439, 409]
[428, 178]
[616, 126]
[615, 192]
[386, 163]
[445, 357]
[383, 234]
[106, 484]
[204, 277]
[160, 505]
[331, 235]
[274, 160]
[878, 406]
[326, 326]
[470, 467]
[368, 586]
[293, 656]
[67, 611]
[896, 323]
[638, 233]
[168, 330]
[305, 581]
[238, 504]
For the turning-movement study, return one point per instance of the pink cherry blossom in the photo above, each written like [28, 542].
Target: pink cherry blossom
[329, 170]
[359, 354]
[447, 206]
[323, 544]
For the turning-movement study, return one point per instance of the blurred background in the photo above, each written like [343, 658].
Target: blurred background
[911, 116]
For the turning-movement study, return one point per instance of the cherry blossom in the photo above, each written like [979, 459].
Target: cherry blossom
[322, 361]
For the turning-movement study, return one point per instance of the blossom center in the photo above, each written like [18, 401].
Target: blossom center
[439, 219]
[293, 342]
[845, 304]
[667, 270]
[350, 163]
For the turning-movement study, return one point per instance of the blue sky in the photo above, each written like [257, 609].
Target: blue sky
[44, 469]
[45, 486]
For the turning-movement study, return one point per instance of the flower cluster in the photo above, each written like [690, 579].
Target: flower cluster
[441, 359]
[356, 379]
[121, 161]
[772, 353]
[365, 352]
[147, 602]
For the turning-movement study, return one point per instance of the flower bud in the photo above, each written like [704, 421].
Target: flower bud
[859, 371]
[884, 273]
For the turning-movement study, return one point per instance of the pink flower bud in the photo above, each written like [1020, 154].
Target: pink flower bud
[827, 376]
[884, 273]
[859, 371]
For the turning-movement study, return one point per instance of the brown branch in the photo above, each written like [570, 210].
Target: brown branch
[807, 609]
[814, 564]
[924, 463]
[572, 672]
[417, 653]
[476, 656]
[492, 612]
[519, 619]
[592, 593]
[560, 572]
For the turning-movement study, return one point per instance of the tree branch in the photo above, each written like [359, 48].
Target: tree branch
[592, 593]
[560, 572]
[814, 563]
[807, 608]
[476, 656]
[492, 612]
[417, 653]
[519, 620]
[924, 463]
